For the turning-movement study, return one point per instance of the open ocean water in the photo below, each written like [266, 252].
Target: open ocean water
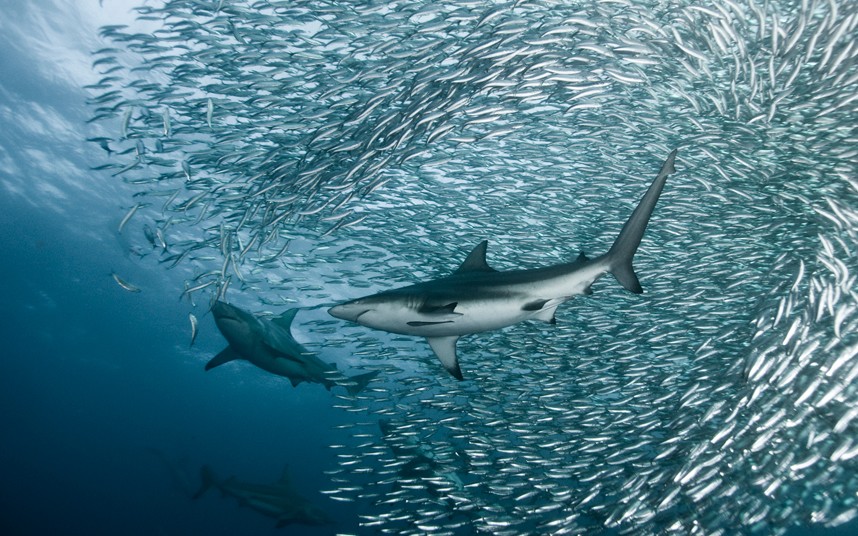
[156, 156]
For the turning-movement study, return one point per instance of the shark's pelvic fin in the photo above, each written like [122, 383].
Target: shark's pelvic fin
[534, 305]
[476, 261]
[545, 309]
[281, 354]
[620, 255]
[445, 349]
[547, 315]
[225, 356]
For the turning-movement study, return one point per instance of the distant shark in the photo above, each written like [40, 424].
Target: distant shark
[416, 460]
[477, 298]
[179, 474]
[269, 345]
[276, 500]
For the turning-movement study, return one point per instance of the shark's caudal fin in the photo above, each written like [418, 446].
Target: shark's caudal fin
[358, 383]
[623, 251]
[207, 480]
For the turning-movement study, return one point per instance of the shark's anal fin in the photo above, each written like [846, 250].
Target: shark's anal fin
[476, 260]
[445, 349]
[225, 356]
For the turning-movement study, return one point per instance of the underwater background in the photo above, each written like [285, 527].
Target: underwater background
[156, 156]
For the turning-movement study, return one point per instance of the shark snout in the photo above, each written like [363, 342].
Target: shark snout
[223, 310]
[348, 311]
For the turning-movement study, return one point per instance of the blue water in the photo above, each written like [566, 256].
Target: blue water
[92, 377]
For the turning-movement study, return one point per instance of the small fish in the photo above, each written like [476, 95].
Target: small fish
[126, 118]
[128, 216]
[194, 325]
[124, 284]
[168, 129]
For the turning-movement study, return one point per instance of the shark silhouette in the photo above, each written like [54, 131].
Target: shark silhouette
[278, 500]
[269, 345]
[477, 298]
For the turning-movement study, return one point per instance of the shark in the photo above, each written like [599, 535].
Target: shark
[477, 298]
[278, 500]
[268, 344]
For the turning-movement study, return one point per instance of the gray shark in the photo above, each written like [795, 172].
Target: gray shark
[269, 345]
[477, 298]
[276, 500]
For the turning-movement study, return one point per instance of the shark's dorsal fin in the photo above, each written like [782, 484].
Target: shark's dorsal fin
[476, 261]
[285, 320]
[445, 349]
[582, 257]
[284, 476]
[225, 356]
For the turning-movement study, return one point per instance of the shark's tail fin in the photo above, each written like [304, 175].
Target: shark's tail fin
[620, 255]
[207, 480]
[356, 384]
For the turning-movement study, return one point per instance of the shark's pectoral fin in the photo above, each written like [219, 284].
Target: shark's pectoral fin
[225, 356]
[296, 381]
[445, 349]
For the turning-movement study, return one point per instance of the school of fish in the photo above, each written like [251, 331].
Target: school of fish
[310, 152]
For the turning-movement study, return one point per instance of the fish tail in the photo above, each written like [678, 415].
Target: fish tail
[207, 480]
[358, 383]
[620, 256]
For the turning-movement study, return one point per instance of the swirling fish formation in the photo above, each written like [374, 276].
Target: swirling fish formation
[308, 148]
